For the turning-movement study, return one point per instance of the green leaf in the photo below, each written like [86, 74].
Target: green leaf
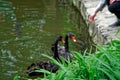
[16, 77]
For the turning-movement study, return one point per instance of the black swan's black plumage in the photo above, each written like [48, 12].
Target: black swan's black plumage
[59, 51]
[47, 65]
[63, 51]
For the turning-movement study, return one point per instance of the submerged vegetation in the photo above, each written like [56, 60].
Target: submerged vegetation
[103, 64]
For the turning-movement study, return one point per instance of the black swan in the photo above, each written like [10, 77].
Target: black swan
[47, 65]
[63, 51]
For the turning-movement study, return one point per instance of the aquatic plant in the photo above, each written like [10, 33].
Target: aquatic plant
[103, 64]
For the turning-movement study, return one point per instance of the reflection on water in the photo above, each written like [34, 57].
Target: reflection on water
[6, 11]
[27, 31]
[28, 28]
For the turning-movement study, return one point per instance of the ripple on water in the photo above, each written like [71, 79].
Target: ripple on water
[7, 54]
[10, 73]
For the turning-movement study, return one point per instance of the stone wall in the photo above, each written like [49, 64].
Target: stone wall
[99, 30]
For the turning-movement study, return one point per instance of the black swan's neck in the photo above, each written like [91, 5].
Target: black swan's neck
[56, 56]
[66, 44]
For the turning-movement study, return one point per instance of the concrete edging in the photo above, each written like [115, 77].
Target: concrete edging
[99, 30]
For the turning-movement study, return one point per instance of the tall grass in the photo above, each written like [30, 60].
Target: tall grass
[103, 64]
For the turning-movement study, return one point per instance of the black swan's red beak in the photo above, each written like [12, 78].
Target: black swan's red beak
[73, 38]
[63, 41]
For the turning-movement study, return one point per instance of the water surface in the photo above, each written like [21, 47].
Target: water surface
[27, 30]
[29, 27]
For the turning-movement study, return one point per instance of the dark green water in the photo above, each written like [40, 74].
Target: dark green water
[27, 30]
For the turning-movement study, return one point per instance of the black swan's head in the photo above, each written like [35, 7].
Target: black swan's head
[60, 38]
[71, 36]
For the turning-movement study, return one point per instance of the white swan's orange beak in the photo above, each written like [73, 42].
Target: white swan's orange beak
[73, 38]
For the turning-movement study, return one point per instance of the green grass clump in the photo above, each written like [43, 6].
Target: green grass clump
[104, 64]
